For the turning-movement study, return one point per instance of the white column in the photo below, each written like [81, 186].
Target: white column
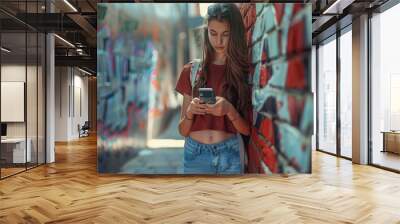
[314, 91]
[50, 94]
[360, 90]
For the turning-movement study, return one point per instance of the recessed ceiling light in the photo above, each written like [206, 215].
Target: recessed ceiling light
[86, 72]
[64, 40]
[70, 5]
[5, 49]
[337, 7]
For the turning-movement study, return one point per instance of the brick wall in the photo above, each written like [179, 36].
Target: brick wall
[279, 37]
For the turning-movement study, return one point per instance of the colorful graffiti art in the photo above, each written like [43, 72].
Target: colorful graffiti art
[141, 50]
[132, 47]
[279, 36]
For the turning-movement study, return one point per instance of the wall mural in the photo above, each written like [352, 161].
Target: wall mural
[141, 51]
[134, 42]
[280, 42]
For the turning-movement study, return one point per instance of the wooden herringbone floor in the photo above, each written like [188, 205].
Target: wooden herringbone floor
[71, 191]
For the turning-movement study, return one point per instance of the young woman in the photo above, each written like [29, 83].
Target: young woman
[211, 143]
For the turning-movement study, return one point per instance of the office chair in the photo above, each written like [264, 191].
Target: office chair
[84, 130]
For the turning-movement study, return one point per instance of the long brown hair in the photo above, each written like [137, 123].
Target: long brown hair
[236, 88]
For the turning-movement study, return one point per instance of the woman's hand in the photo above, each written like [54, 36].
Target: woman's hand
[195, 107]
[220, 108]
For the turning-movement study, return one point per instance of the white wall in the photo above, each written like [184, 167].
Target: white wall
[13, 101]
[70, 83]
[13, 72]
[16, 73]
[34, 125]
[81, 84]
[61, 103]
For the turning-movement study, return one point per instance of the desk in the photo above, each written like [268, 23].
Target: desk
[391, 141]
[16, 148]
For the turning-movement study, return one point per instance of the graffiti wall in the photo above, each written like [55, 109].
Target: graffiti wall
[141, 52]
[279, 38]
[137, 66]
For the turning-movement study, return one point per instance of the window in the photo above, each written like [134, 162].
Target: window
[385, 88]
[346, 94]
[327, 96]
[22, 66]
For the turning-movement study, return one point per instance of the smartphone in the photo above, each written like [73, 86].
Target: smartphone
[207, 95]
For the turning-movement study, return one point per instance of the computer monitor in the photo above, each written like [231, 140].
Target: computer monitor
[3, 129]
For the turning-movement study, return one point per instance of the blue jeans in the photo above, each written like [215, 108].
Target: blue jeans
[219, 158]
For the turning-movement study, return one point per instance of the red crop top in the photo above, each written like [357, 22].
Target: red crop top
[215, 80]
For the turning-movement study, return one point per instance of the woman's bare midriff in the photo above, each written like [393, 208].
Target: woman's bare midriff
[210, 136]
